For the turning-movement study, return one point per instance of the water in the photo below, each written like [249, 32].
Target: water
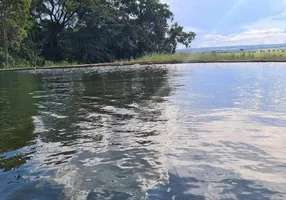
[193, 131]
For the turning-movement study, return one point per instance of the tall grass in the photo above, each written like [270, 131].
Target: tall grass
[260, 55]
[64, 63]
[21, 63]
[214, 56]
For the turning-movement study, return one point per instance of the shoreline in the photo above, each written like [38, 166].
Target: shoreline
[145, 63]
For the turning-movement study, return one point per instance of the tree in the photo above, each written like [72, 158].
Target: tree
[53, 17]
[90, 31]
[14, 16]
[177, 35]
[123, 29]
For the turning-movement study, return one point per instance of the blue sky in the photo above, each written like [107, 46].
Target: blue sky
[232, 22]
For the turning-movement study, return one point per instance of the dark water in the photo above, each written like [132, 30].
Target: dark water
[176, 132]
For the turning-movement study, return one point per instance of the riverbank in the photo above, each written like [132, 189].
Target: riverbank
[243, 56]
[179, 58]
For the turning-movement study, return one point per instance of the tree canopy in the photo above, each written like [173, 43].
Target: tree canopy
[90, 31]
[14, 17]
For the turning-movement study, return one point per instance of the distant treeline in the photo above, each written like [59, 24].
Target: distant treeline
[86, 31]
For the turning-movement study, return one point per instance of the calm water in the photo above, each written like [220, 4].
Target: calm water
[176, 132]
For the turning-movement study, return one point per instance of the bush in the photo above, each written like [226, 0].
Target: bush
[2, 60]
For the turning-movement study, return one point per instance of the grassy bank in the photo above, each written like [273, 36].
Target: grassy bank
[21, 63]
[262, 55]
[254, 56]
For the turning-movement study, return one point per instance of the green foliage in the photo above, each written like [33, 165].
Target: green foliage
[14, 17]
[2, 60]
[177, 35]
[90, 31]
[15, 21]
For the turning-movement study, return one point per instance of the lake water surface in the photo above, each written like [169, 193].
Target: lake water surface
[174, 132]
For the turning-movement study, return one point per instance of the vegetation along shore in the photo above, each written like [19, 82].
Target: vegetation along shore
[41, 32]
[52, 33]
[213, 57]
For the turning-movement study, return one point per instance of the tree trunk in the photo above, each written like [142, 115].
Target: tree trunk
[5, 47]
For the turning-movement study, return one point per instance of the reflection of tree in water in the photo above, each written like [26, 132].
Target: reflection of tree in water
[72, 104]
[59, 98]
[128, 86]
[107, 119]
[16, 124]
[123, 96]
[17, 136]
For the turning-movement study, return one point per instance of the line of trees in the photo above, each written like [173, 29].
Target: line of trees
[86, 31]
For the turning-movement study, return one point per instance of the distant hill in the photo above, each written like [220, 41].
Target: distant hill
[234, 48]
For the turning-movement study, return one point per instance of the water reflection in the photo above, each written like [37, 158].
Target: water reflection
[16, 125]
[162, 132]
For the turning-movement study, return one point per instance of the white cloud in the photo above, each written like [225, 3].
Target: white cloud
[247, 37]
[232, 22]
[270, 30]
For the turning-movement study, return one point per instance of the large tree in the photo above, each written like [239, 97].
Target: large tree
[105, 30]
[14, 16]
[53, 17]
[123, 29]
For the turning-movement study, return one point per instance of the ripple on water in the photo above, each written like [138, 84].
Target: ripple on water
[199, 131]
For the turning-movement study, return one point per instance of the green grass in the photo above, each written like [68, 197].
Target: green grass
[21, 63]
[59, 64]
[213, 56]
[259, 55]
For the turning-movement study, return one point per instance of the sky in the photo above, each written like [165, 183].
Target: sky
[232, 22]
